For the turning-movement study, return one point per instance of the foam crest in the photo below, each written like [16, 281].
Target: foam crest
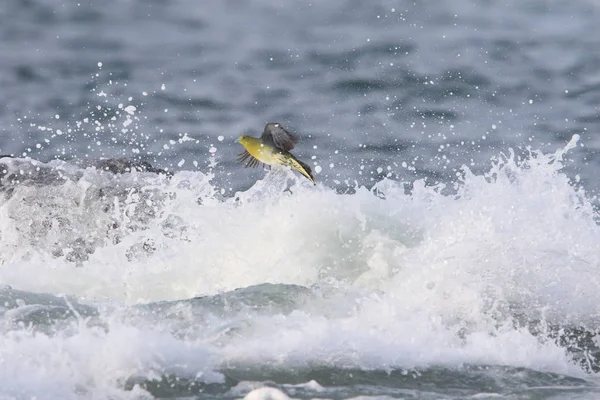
[160, 243]
[84, 362]
[381, 336]
[520, 238]
[519, 234]
[438, 276]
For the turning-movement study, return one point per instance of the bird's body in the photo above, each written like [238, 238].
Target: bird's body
[273, 148]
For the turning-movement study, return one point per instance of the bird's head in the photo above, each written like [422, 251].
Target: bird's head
[246, 141]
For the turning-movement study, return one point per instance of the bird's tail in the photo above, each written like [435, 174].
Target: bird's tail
[303, 168]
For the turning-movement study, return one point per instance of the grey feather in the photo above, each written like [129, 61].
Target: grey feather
[252, 163]
[280, 138]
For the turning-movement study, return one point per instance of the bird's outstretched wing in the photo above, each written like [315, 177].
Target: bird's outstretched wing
[252, 163]
[275, 134]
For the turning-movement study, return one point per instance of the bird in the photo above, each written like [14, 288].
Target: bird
[272, 148]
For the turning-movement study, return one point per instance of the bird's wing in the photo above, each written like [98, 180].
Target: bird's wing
[252, 163]
[275, 134]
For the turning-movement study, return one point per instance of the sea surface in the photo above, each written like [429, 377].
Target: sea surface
[450, 249]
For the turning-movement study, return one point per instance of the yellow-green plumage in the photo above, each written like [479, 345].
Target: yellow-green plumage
[273, 148]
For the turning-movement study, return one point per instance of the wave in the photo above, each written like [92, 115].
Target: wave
[171, 278]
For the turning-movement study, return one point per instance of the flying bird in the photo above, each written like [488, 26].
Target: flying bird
[272, 148]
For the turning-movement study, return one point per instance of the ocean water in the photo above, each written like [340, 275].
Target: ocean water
[450, 249]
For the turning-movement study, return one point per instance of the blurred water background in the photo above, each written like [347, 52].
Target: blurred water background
[368, 86]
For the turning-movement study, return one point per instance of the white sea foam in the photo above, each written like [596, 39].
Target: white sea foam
[94, 362]
[400, 280]
[266, 393]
